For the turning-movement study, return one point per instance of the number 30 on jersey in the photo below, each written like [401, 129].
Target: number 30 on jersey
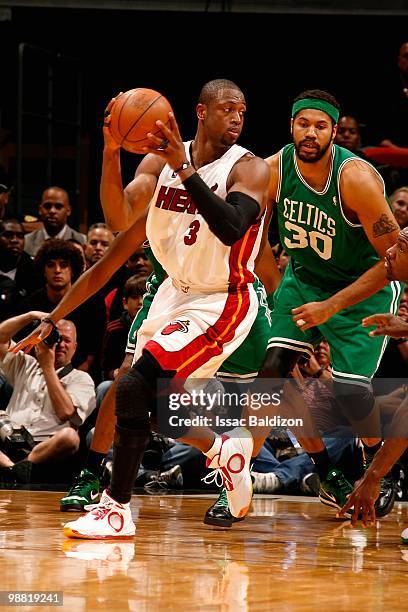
[301, 239]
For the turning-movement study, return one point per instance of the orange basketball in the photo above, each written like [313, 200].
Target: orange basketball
[134, 114]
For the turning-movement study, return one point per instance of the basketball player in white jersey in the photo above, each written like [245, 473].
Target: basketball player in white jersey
[206, 200]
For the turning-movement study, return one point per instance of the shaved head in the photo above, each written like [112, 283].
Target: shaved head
[214, 89]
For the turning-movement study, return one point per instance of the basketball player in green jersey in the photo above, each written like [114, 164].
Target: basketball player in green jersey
[335, 223]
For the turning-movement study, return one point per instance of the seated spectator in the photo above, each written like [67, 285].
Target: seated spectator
[14, 261]
[399, 203]
[54, 210]
[114, 344]
[60, 264]
[349, 136]
[98, 241]
[50, 398]
[138, 265]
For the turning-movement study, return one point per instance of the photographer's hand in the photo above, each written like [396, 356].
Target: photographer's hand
[45, 356]
[42, 331]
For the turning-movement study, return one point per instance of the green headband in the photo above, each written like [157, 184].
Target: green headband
[322, 105]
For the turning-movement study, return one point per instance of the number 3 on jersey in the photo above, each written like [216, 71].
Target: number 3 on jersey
[191, 236]
[302, 239]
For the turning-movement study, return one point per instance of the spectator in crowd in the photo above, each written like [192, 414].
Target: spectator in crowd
[60, 264]
[137, 265]
[50, 398]
[98, 240]
[116, 334]
[54, 210]
[399, 203]
[349, 136]
[14, 261]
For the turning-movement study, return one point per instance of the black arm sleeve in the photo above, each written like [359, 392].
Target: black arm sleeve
[228, 219]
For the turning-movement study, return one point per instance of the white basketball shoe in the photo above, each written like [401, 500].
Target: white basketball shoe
[107, 520]
[230, 456]
[404, 536]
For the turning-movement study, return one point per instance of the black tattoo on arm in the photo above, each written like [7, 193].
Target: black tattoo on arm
[384, 225]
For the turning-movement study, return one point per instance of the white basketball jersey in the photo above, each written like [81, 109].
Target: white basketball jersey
[181, 239]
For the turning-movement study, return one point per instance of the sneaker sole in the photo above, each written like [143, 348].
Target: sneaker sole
[71, 508]
[244, 511]
[219, 522]
[71, 533]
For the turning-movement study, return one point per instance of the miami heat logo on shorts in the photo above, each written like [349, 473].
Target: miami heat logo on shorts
[181, 326]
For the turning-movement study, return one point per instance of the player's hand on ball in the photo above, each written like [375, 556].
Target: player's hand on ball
[110, 143]
[170, 147]
[312, 314]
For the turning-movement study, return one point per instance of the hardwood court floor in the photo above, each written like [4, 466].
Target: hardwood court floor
[289, 554]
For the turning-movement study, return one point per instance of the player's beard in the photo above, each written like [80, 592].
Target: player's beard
[319, 151]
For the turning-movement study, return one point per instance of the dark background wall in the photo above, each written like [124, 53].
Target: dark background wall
[272, 57]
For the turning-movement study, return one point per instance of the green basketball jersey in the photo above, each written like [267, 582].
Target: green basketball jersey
[159, 274]
[326, 249]
[153, 282]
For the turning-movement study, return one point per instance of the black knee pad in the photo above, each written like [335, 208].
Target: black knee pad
[136, 389]
[279, 362]
[137, 395]
[356, 402]
[133, 396]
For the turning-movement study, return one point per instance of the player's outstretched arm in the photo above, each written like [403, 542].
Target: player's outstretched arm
[122, 207]
[90, 282]
[228, 219]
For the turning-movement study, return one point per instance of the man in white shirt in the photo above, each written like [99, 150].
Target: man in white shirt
[50, 398]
